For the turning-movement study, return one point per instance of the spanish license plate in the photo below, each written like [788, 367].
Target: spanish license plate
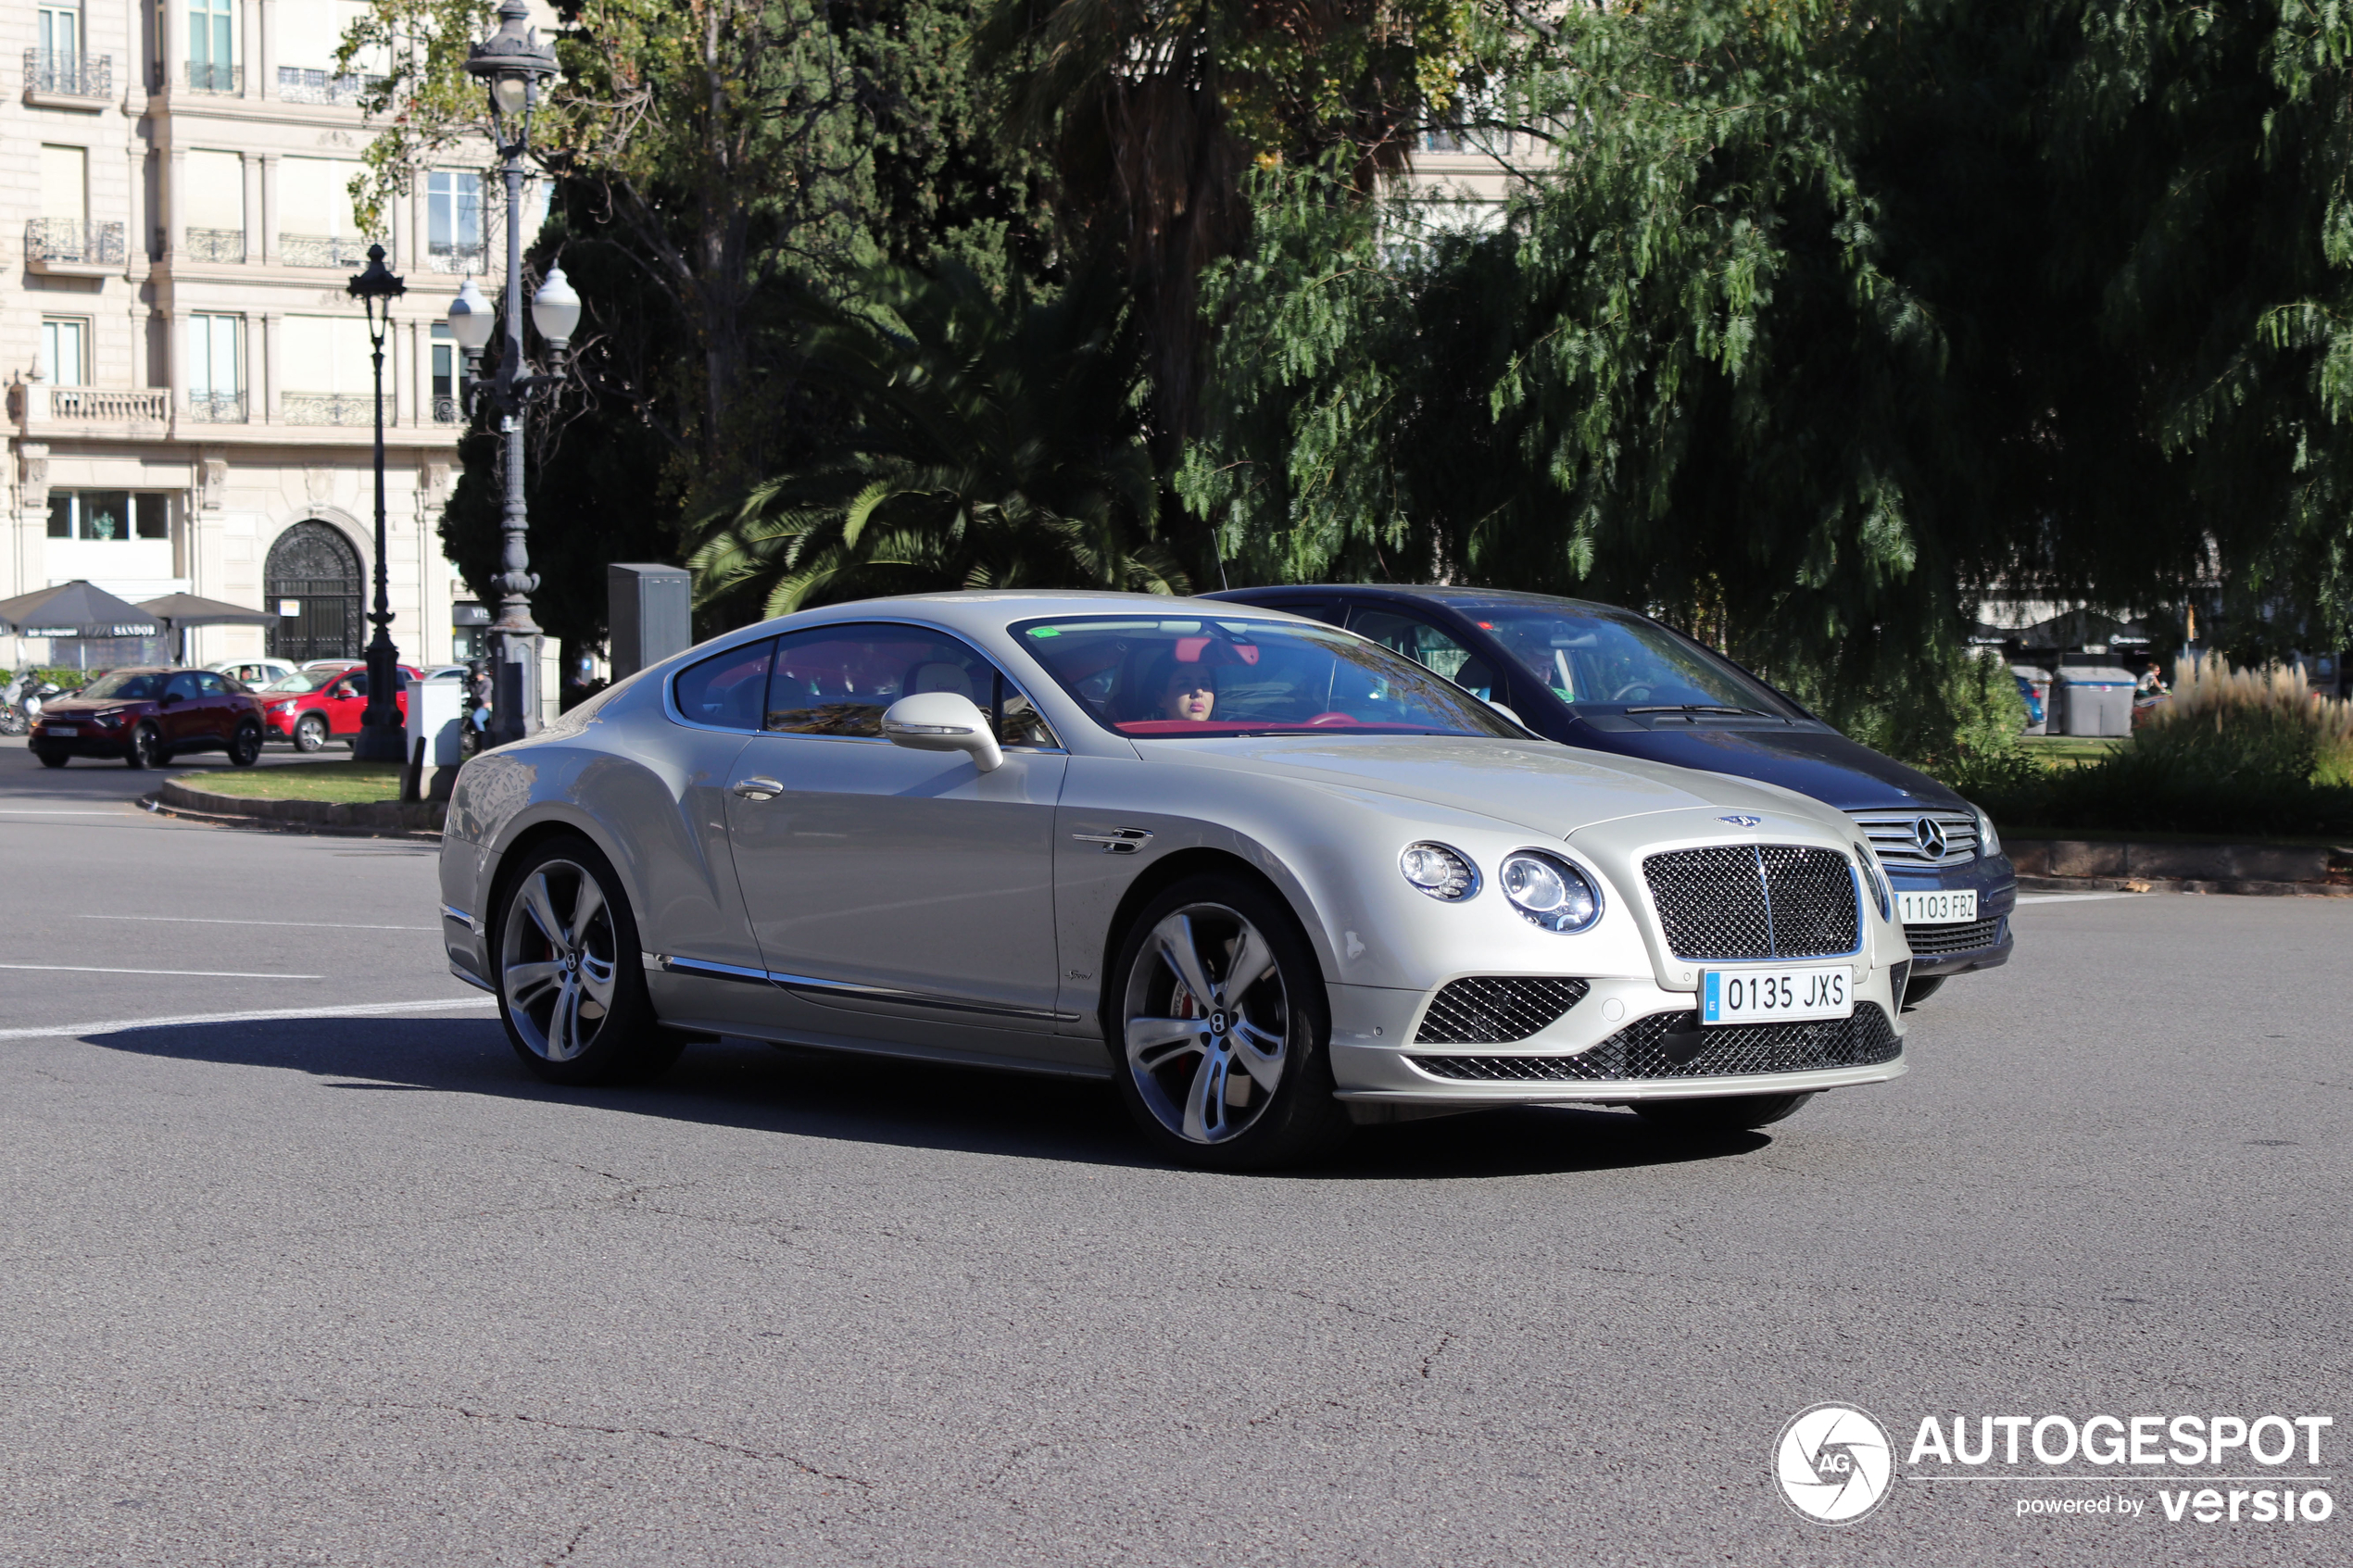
[1776, 995]
[68, 730]
[1937, 908]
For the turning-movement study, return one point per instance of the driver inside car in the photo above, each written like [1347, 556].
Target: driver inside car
[1188, 693]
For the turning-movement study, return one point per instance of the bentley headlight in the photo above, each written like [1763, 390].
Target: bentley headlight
[1876, 880]
[1550, 892]
[1988, 841]
[1444, 874]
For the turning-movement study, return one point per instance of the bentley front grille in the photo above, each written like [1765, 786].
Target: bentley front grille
[1497, 1009]
[1937, 941]
[1755, 901]
[1920, 838]
[1673, 1044]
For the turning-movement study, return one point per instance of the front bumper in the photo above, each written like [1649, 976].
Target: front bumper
[1985, 943]
[1375, 1050]
[102, 743]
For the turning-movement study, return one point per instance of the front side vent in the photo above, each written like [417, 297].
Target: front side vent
[1497, 1010]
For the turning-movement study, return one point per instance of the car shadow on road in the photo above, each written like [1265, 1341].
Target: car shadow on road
[808, 1093]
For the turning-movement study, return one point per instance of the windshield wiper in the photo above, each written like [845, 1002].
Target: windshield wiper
[1723, 708]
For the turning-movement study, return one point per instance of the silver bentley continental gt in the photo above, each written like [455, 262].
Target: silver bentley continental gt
[1269, 878]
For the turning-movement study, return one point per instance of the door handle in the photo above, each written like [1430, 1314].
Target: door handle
[759, 789]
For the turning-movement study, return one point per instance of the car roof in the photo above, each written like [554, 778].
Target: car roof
[994, 609]
[1452, 596]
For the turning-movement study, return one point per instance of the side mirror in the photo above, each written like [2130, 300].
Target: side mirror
[1507, 713]
[943, 721]
[168, 699]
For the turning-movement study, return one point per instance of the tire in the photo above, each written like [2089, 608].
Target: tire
[13, 723]
[1919, 990]
[50, 758]
[244, 746]
[1726, 1114]
[311, 733]
[1196, 1072]
[146, 748]
[550, 981]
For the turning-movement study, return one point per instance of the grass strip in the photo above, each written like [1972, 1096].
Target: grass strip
[348, 784]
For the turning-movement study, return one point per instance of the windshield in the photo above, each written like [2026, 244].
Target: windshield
[1595, 659]
[303, 681]
[1182, 677]
[129, 685]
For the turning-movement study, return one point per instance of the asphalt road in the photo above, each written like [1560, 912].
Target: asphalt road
[346, 1287]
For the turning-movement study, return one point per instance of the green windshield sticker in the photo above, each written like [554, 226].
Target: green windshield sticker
[1045, 632]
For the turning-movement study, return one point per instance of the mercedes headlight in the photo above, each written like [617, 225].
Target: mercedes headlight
[1988, 841]
[1876, 880]
[1550, 891]
[1445, 875]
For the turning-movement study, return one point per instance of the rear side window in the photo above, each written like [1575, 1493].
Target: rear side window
[725, 690]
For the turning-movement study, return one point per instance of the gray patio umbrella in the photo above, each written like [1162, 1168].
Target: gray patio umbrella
[76, 610]
[180, 611]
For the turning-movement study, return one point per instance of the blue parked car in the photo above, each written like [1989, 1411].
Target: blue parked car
[1609, 679]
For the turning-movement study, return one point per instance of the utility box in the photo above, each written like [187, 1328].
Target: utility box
[436, 710]
[649, 612]
[2094, 699]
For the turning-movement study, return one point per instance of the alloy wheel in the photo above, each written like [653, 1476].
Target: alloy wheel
[1206, 1023]
[557, 959]
[310, 734]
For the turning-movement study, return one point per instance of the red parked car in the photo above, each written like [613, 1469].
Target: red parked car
[312, 707]
[148, 717]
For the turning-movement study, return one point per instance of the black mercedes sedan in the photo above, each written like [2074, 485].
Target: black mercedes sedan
[1611, 679]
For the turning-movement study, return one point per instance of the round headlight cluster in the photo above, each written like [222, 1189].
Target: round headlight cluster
[1441, 872]
[1876, 881]
[1988, 841]
[1550, 892]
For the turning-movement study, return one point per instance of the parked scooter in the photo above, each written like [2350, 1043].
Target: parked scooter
[20, 701]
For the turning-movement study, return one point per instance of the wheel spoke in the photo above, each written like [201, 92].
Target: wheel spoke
[1174, 936]
[542, 907]
[1252, 959]
[596, 978]
[1206, 1102]
[584, 904]
[1260, 1053]
[563, 1025]
[525, 981]
[1153, 1043]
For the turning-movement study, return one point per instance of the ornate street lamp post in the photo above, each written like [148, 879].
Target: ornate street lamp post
[382, 737]
[514, 66]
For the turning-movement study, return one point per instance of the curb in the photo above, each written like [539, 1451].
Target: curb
[2240, 886]
[378, 818]
[2246, 863]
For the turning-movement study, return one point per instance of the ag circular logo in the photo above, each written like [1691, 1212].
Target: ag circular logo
[1833, 1463]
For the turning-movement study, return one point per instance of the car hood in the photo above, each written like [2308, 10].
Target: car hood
[86, 706]
[1537, 785]
[1821, 763]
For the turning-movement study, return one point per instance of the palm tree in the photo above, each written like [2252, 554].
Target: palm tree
[994, 443]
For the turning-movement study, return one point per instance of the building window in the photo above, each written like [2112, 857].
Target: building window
[65, 350]
[212, 42]
[453, 222]
[61, 31]
[109, 516]
[216, 369]
[445, 375]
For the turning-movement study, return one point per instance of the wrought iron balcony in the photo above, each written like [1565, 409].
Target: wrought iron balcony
[213, 244]
[441, 256]
[68, 75]
[323, 250]
[298, 86]
[206, 77]
[333, 409]
[73, 242]
[217, 408]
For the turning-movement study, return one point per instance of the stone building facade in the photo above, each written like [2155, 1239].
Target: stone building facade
[189, 385]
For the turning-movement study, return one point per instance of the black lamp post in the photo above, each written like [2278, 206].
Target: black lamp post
[514, 66]
[382, 737]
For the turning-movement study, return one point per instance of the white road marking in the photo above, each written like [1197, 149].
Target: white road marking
[2072, 897]
[186, 973]
[365, 1010]
[305, 925]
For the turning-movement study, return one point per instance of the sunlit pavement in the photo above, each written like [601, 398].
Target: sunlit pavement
[344, 1285]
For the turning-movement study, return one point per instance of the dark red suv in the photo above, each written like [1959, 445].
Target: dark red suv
[147, 717]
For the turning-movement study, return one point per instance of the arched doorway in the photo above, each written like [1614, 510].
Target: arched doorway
[314, 582]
